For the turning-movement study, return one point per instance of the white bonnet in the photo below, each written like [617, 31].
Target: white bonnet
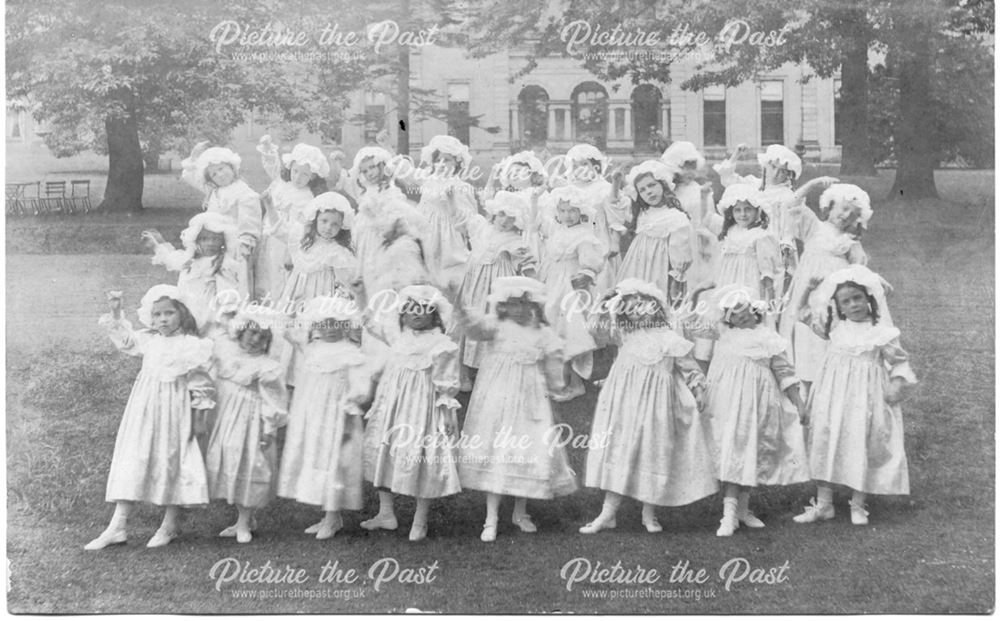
[576, 197]
[525, 158]
[507, 287]
[158, 292]
[729, 297]
[328, 201]
[586, 152]
[449, 145]
[660, 170]
[683, 151]
[336, 307]
[781, 155]
[309, 155]
[427, 295]
[214, 222]
[216, 155]
[739, 192]
[637, 286]
[378, 154]
[839, 193]
[512, 204]
[823, 296]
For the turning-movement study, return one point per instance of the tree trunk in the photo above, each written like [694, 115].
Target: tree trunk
[857, 156]
[913, 135]
[125, 170]
[403, 87]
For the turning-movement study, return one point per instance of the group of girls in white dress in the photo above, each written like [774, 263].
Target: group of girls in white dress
[750, 344]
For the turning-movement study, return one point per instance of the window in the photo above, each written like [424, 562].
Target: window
[458, 111]
[533, 114]
[646, 129]
[374, 115]
[714, 102]
[772, 113]
[560, 124]
[590, 114]
[836, 112]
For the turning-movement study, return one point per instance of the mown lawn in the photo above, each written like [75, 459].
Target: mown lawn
[930, 552]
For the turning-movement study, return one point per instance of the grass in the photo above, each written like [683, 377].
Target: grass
[930, 552]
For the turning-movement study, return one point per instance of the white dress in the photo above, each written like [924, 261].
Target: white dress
[855, 437]
[282, 230]
[703, 248]
[827, 249]
[446, 248]
[758, 437]
[156, 458]
[322, 459]
[365, 234]
[662, 243]
[746, 257]
[252, 402]
[406, 448]
[202, 278]
[510, 401]
[648, 439]
[495, 254]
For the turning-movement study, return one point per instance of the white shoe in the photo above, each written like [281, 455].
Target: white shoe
[161, 538]
[110, 536]
[598, 525]
[815, 512]
[230, 531]
[727, 526]
[569, 394]
[653, 526]
[749, 519]
[418, 532]
[524, 523]
[385, 522]
[329, 529]
[859, 515]
[489, 532]
[244, 536]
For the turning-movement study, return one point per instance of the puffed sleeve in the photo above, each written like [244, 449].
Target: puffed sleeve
[444, 375]
[856, 255]
[590, 255]
[189, 173]
[476, 225]
[679, 252]
[690, 372]
[201, 388]
[169, 257]
[768, 254]
[899, 361]
[274, 395]
[616, 214]
[800, 221]
[783, 371]
[728, 176]
[815, 321]
[122, 336]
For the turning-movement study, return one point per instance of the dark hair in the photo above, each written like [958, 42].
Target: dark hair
[656, 319]
[670, 201]
[422, 309]
[756, 313]
[208, 178]
[458, 161]
[344, 326]
[253, 325]
[872, 305]
[220, 258]
[728, 221]
[385, 182]
[317, 185]
[536, 309]
[188, 325]
[343, 237]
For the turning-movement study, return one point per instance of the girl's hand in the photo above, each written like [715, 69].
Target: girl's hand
[152, 237]
[814, 283]
[706, 189]
[358, 288]
[115, 304]
[245, 250]
[886, 285]
[803, 414]
[894, 392]
[266, 440]
[265, 141]
[199, 149]
[699, 397]
[741, 150]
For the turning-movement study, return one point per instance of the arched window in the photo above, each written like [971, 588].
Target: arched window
[590, 114]
[533, 115]
[647, 125]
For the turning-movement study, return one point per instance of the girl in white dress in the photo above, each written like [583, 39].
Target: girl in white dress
[241, 460]
[498, 249]
[413, 423]
[754, 402]
[205, 263]
[830, 245]
[447, 202]
[523, 174]
[296, 178]
[322, 456]
[574, 256]
[695, 198]
[215, 172]
[649, 439]
[509, 442]
[856, 433]
[372, 173]
[661, 250]
[156, 458]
